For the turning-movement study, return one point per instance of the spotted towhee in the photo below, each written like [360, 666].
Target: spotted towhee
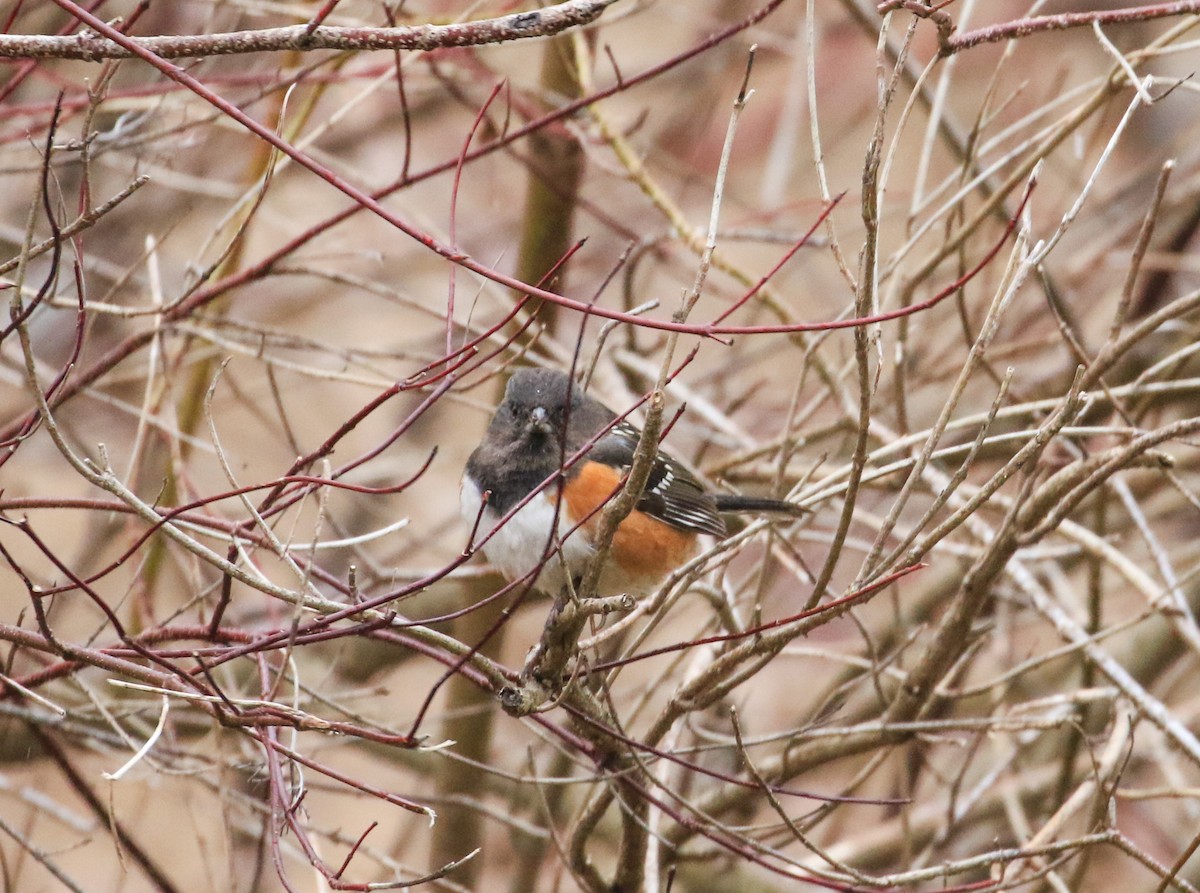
[550, 440]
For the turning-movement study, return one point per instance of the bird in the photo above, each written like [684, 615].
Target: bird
[556, 456]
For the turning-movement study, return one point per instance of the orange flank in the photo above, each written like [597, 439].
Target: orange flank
[643, 546]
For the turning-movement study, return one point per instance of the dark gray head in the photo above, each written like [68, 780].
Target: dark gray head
[539, 404]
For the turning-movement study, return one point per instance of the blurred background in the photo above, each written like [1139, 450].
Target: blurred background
[1005, 479]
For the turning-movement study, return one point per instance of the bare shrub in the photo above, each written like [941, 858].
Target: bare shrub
[924, 269]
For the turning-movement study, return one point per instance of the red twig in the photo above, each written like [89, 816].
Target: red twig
[437, 247]
[253, 272]
[354, 850]
[456, 183]
[322, 14]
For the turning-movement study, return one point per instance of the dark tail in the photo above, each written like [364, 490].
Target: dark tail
[728, 502]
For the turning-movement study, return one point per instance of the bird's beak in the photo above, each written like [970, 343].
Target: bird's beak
[539, 420]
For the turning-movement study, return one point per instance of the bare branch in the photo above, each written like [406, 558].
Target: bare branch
[92, 47]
